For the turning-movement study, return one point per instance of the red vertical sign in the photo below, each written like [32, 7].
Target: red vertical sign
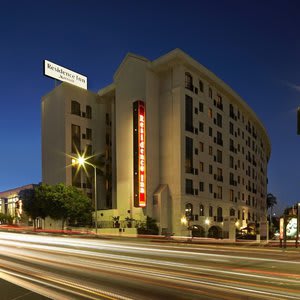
[139, 145]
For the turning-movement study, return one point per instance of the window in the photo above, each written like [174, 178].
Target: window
[219, 156]
[201, 210]
[210, 93]
[230, 128]
[219, 174]
[201, 166]
[76, 146]
[210, 131]
[89, 151]
[201, 86]
[210, 169]
[210, 211]
[88, 134]
[231, 162]
[210, 188]
[201, 147]
[210, 150]
[231, 195]
[210, 113]
[219, 214]
[88, 112]
[201, 186]
[189, 211]
[189, 113]
[76, 176]
[201, 107]
[219, 192]
[188, 81]
[239, 214]
[189, 187]
[219, 120]
[232, 212]
[188, 155]
[219, 138]
[201, 127]
[75, 108]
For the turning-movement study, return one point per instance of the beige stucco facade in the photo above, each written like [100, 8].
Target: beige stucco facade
[195, 187]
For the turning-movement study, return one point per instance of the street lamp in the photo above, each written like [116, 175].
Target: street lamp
[82, 161]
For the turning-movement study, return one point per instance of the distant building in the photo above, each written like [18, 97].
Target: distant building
[176, 144]
[10, 204]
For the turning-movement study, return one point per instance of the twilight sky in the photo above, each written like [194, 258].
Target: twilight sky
[253, 46]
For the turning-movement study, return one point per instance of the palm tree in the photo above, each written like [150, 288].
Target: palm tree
[271, 202]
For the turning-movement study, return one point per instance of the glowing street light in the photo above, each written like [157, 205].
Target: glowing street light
[184, 220]
[81, 160]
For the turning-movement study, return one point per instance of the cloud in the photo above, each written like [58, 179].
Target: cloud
[293, 86]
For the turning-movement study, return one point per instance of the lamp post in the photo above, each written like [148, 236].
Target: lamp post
[82, 161]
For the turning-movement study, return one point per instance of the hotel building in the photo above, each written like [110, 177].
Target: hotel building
[172, 142]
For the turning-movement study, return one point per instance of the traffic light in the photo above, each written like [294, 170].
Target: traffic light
[298, 120]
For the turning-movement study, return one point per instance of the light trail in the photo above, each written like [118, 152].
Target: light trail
[109, 268]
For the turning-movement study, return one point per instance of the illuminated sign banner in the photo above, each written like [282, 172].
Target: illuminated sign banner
[139, 155]
[63, 74]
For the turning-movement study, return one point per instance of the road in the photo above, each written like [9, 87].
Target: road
[74, 268]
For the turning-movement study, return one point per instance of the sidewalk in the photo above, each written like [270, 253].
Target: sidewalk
[10, 291]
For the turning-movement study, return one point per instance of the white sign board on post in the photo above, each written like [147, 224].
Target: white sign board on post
[63, 74]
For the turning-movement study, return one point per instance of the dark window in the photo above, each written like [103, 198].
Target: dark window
[232, 212]
[76, 176]
[219, 120]
[75, 108]
[201, 211]
[189, 113]
[210, 212]
[88, 113]
[219, 156]
[89, 151]
[219, 214]
[210, 169]
[210, 188]
[201, 108]
[201, 86]
[230, 128]
[201, 127]
[188, 155]
[231, 162]
[201, 186]
[210, 131]
[219, 138]
[188, 81]
[75, 138]
[189, 187]
[88, 135]
[210, 93]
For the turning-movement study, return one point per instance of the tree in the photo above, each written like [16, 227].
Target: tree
[69, 204]
[271, 202]
[59, 202]
[34, 202]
